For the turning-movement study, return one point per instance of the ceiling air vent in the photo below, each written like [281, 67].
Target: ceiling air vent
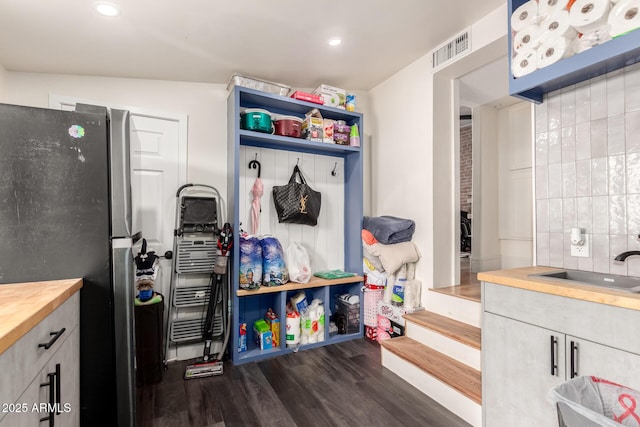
[455, 48]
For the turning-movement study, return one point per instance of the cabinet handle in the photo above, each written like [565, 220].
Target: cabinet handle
[58, 382]
[574, 359]
[50, 384]
[554, 351]
[56, 335]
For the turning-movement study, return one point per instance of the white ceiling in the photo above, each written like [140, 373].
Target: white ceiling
[208, 40]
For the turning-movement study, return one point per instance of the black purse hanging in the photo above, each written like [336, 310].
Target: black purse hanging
[297, 203]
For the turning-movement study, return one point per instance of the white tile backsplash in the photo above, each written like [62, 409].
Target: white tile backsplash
[598, 98]
[599, 144]
[615, 93]
[587, 158]
[615, 135]
[633, 173]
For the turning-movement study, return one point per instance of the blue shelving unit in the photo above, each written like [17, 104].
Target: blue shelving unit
[598, 60]
[251, 305]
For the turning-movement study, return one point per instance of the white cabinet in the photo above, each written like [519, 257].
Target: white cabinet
[49, 387]
[532, 342]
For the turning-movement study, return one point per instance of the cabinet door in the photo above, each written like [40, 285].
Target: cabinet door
[593, 359]
[31, 406]
[517, 372]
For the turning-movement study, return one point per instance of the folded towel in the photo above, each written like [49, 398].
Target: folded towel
[368, 238]
[389, 229]
[393, 257]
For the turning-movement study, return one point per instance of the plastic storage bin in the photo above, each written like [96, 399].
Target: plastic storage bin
[258, 84]
[595, 402]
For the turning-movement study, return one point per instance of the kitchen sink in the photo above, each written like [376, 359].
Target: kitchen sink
[611, 281]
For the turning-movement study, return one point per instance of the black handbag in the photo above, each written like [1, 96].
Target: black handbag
[297, 203]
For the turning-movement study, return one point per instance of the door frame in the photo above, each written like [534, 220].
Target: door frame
[58, 102]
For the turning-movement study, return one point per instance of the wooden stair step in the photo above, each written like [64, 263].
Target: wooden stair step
[455, 374]
[471, 292]
[458, 331]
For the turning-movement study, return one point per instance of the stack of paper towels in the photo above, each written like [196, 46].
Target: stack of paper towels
[546, 31]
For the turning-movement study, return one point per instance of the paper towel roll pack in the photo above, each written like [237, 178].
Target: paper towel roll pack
[546, 31]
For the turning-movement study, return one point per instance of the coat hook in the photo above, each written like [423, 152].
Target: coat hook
[333, 172]
[255, 164]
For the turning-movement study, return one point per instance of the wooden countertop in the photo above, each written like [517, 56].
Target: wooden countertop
[519, 278]
[24, 305]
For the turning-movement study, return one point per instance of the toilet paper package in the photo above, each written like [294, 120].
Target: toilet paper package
[524, 63]
[557, 25]
[547, 8]
[588, 15]
[591, 39]
[525, 15]
[624, 17]
[553, 50]
[527, 39]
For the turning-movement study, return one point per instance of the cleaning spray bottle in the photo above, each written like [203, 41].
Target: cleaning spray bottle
[354, 136]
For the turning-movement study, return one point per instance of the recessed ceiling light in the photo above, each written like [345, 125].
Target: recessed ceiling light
[334, 42]
[107, 9]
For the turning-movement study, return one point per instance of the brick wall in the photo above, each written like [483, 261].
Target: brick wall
[465, 168]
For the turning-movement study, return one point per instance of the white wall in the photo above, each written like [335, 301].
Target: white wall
[205, 105]
[412, 164]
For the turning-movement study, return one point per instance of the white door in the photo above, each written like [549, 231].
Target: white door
[155, 178]
[158, 163]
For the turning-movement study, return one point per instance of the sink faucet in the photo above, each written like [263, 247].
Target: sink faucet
[624, 255]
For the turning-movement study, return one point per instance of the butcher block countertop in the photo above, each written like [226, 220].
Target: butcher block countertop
[24, 305]
[518, 278]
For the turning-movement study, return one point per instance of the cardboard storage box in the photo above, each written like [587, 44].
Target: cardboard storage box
[333, 96]
[262, 334]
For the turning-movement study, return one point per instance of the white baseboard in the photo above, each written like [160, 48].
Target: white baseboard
[451, 399]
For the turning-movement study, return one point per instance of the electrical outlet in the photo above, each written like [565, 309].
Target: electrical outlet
[581, 250]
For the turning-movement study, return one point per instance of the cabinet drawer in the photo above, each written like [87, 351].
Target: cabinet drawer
[21, 362]
[28, 409]
[601, 323]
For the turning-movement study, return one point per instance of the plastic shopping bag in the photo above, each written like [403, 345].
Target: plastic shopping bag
[298, 263]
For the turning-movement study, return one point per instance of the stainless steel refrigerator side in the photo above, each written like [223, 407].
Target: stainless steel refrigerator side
[123, 272]
[120, 177]
[122, 265]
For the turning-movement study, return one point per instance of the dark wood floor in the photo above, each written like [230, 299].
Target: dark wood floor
[337, 385]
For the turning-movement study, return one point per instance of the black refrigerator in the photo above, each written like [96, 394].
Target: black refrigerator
[65, 212]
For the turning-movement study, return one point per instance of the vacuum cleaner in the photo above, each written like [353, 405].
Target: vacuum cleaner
[210, 365]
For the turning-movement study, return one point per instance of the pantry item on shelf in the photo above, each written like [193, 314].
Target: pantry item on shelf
[288, 126]
[262, 335]
[624, 17]
[524, 16]
[258, 84]
[350, 103]
[341, 131]
[299, 302]
[293, 328]
[333, 96]
[333, 274]
[274, 268]
[298, 263]
[587, 16]
[256, 119]
[312, 126]
[250, 262]
[354, 136]
[296, 202]
[274, 326]
[397, 297]
[242, 336]
[328, 131]
[553, 50]
[309, 97]
[524, 62]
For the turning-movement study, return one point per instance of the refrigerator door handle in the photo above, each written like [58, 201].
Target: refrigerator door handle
[120, 160]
